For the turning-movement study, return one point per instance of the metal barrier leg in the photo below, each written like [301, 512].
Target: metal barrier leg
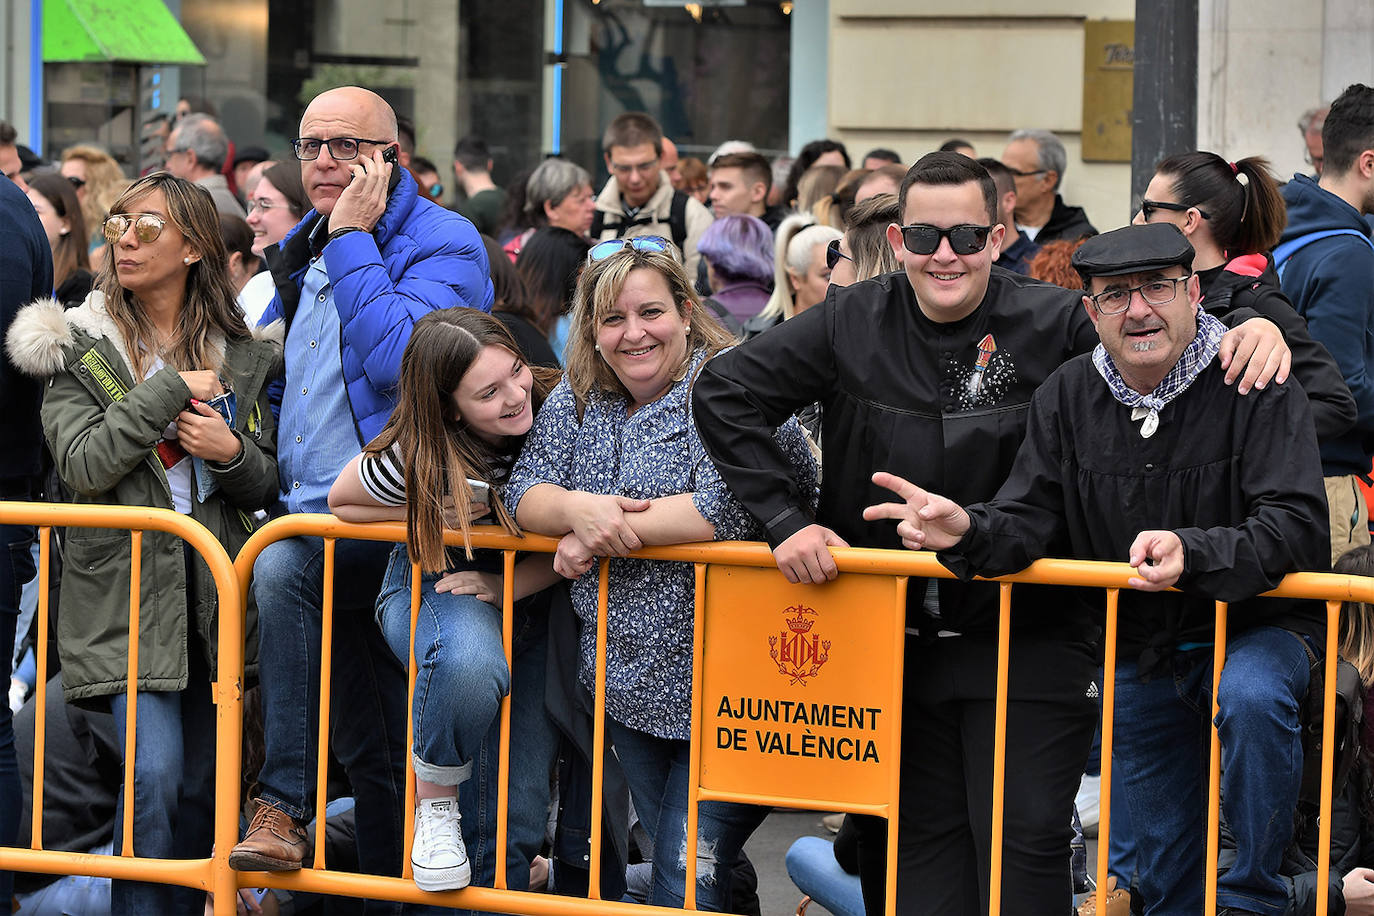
[598, 727]
[412, 671]
[895, 751]
[1333, 626]
[131, 709]
[689, 887]
[1104, 822]
[1214, 768]
[999, 749]
[326, 673]
[40, 694]
[503, 752]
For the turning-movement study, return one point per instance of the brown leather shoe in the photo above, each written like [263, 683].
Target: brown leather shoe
[275, 841]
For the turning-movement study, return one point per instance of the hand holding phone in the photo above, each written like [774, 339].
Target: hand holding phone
[363, 202]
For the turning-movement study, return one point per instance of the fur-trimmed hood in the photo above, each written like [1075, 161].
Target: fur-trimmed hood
[42, 331]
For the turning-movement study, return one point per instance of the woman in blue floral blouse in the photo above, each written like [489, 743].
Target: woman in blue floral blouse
[614, 462]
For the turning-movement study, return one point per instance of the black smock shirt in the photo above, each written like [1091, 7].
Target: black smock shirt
[1226, 288]
[943, 405]
[1238, 478]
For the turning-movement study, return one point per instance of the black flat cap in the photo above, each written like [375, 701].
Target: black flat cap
[251, 154]
[1133, 250]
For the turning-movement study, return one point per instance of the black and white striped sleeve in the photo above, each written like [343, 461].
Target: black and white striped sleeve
[382, 475]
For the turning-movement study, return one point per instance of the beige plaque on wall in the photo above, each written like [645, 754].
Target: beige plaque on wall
[1108, 67]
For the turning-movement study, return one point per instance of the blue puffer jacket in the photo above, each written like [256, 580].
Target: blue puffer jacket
[1331, 284]
[419, 258]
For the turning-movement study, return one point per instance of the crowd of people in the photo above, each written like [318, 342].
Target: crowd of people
[941, 356]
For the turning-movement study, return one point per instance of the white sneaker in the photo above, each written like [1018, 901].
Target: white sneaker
[1087, 802]
[438, 857]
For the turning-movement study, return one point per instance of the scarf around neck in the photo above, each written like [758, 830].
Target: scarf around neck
[1196, 357]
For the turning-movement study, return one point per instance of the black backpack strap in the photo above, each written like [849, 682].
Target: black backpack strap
[598, 223]
[677, 221]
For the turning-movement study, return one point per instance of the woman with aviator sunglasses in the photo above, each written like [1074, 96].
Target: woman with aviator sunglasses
[1233, 214]
[157, 397]
[614, 461]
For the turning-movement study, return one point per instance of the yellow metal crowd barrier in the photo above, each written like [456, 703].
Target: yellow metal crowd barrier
[806, 672]
[227, 691]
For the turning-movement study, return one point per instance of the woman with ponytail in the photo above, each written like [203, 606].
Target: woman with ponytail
[1232, 213]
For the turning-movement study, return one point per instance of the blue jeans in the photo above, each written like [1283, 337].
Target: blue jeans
[812, 867]
[1161, 749]
[367, 691]
[174, 787]
[16, 568]
[657, 770]
[459, 683]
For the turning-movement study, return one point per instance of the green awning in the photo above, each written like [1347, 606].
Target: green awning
[117, 31]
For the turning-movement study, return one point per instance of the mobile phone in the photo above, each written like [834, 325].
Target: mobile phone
[479, 491]
[390, 155]
[224, 405]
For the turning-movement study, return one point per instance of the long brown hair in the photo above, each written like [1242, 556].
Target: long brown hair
[209, 304]
[69, 254]
[597, 290]
[1357, 618]
[439, 451]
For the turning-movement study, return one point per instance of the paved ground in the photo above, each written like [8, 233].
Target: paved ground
[778, 896]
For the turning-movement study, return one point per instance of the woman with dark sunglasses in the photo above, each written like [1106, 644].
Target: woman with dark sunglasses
[1232, 213]
[614, 461]
[157, 396]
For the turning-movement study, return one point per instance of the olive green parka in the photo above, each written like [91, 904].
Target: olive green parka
[102, 428]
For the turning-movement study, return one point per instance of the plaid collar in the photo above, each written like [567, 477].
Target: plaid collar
[1198, 354]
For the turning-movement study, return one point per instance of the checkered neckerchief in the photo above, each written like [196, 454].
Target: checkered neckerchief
[1201, 351]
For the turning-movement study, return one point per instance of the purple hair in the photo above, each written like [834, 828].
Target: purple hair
[739, 247]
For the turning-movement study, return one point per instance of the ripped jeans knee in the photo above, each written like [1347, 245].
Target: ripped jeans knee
[657, 771]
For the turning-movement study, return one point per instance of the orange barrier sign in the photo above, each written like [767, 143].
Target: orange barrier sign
[797, 686]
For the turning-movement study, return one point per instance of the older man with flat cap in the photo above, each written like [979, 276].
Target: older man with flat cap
[1138, 451]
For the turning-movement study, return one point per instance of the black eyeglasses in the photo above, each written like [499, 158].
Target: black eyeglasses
[1020, 174]
[76, 182]
[147, 226]
[833, 255]
[341, 148]
[922, 238]
[1156, 292]
[1147, 208]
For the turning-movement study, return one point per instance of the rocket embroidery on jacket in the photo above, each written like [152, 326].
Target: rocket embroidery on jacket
[988, 379]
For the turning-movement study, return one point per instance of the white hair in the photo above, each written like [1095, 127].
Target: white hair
[793, 248]
[729, 147]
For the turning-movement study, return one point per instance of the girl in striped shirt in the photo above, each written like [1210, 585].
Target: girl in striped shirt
[465, 400]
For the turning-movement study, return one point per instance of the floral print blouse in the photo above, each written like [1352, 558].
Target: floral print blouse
[653, 453]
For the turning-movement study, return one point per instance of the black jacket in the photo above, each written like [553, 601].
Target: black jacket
[895, 392]
[25, 275]
[1065, 224]
[1250, 282]
[1237, 478]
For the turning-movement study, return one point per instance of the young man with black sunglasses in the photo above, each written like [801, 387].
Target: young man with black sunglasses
[930, 377]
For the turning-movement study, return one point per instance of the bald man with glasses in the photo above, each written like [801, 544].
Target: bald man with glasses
[370, 258]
